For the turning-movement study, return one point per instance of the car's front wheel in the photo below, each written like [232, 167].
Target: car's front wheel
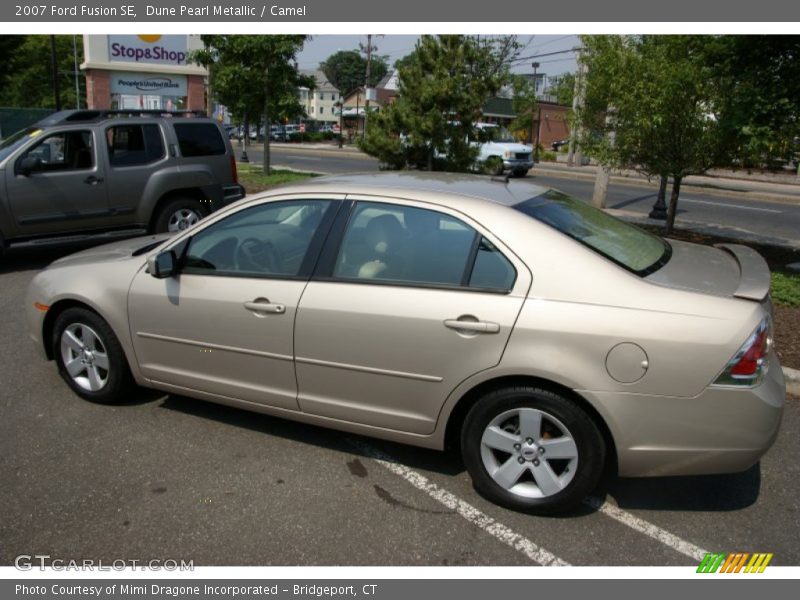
[90, 358]
[531, 449]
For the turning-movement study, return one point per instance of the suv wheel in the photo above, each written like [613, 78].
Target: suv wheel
[90, 357]
[532, 450]
[178, 214]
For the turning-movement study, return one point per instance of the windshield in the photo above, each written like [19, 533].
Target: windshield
[503, 135]
[14, 141]
[623, 243]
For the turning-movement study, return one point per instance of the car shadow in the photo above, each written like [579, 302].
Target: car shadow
[445, 463]
[713, 493]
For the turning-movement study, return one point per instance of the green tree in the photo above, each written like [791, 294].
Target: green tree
[347, 69]
[255, 73]
[564, 89]
[443, 87]
[650, 106]
[524, 105]
[27, 80]
[758, 89]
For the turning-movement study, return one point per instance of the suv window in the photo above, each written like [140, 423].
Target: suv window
[199, 139]
[404, 244]
[64, 151]
[266, 240]
[130, 145]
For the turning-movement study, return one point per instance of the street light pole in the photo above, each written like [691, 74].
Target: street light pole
[535, 139]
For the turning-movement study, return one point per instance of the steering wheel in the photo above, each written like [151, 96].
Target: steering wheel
[257, 255]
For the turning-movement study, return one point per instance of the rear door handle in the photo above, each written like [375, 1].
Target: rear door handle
[265, 307]
[92, 180]
[476, 326]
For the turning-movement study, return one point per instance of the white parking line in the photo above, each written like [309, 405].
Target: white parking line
[647, 528]
[723, 204]
[506, 535]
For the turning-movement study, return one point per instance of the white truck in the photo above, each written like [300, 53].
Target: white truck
[502, 153]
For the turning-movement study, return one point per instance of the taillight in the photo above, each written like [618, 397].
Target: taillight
[234, 172]
[749, 365]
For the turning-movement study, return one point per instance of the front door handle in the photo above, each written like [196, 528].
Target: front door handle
[262, 305]
[92, 180]
[476, 326]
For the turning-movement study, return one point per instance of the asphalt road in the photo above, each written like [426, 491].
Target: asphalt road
[765, 219]
[171, 477]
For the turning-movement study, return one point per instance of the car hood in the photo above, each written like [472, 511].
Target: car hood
[721, 270]
[114, 251]
[510, 147]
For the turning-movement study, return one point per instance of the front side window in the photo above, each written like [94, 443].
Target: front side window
[64, 151]
[404, 244]
[199, 139]
[130, 145]
[268, 240]
[624, 244]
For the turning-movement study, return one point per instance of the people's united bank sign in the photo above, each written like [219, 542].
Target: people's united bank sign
[148, 84]
[151, 49]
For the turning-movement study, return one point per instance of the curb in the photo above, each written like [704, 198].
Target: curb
[792, 378]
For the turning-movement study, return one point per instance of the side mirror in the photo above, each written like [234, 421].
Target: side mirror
[162, 265]
[29, 164]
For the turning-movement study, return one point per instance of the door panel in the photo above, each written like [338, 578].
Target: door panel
[225, 324]
[195, 332]
[382, 355]
[67, 193]
[415, 301]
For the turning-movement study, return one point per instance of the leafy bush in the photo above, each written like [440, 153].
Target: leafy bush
[786, 289]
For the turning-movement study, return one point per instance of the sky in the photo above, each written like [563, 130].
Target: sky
[397, 46]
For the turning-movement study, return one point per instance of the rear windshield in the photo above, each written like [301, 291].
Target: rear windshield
[623, 243]
[199, 139]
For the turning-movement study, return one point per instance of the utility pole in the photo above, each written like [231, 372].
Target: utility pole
[535, 138]
[54, 69]
[368, 49]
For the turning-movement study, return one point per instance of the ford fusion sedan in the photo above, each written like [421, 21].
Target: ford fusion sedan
[545, 339]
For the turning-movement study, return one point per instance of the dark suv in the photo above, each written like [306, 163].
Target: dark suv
[91, 173]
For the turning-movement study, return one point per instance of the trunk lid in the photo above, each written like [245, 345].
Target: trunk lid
[723, 270]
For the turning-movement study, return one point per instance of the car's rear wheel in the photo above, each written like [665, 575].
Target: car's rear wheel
[531, 449]
[178, 214]
[90, 358]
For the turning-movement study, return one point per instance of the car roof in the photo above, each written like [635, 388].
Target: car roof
[419, 184]
[89, 116]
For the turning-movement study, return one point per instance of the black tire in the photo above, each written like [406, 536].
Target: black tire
[493, 165]
[173, 207]
[520, 172]
[119, 382]
[587, 468]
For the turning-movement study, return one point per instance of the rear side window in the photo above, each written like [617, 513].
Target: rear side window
[199, 139]
[130, 145]
[398, 244]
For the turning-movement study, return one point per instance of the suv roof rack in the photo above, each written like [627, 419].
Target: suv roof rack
[73, 116]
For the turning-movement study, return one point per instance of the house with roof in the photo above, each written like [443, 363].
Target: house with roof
[320, 103]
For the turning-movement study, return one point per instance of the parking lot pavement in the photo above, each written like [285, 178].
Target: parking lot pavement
[173, 477]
